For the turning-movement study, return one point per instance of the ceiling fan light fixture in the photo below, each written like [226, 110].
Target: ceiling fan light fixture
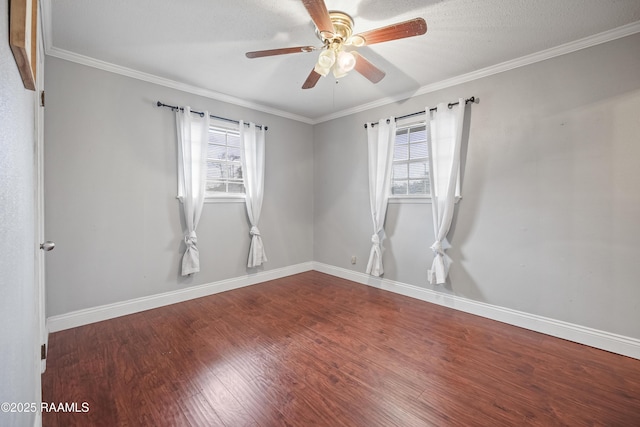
[335, 30]
[338, 72]
[323, 71]
[327, 58]
[356, 40]
[345, 61]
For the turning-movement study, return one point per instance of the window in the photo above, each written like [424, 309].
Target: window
[410, 172]
[224, 169]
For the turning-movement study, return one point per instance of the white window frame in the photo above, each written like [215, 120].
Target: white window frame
[408, 198]
[220, 197]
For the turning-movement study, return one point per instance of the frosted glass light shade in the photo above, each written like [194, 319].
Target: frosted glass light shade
[337, 72]
[327, 58]
[323, 71]
[346, 61]
[356, 40]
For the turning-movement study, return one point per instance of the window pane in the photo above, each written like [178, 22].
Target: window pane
[217, 137]
[399, 187]
[400, 171]
[418, 134]
[410, 174]
[402, 136]
[418, 170]
[235, 171]
[233, 153]
[216, 170]
[224, 169]
[419, 150]
[236, 188]
[401, 152]
[233, 140]
[218, 187]
[418, 186]
[217, 152]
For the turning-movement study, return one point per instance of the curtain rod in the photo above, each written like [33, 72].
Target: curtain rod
[175, 108]
[417, 113]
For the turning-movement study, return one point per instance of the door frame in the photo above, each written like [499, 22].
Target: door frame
[40, 288]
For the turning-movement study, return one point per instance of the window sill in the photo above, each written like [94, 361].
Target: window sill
[409, 199]
[401, 200]
[225, 199]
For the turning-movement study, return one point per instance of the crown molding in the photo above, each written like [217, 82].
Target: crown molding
[596, 39]
[161, 81]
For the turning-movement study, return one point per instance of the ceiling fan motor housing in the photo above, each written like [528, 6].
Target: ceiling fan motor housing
[342, 29]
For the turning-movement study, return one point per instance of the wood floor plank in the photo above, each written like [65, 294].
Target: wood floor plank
[269, 368]
[315, 350]
[199, 412]
[318, 370]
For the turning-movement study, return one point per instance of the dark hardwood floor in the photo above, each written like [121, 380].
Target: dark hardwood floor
[312, 349]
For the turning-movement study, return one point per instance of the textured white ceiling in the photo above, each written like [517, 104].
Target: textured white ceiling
[202, 42]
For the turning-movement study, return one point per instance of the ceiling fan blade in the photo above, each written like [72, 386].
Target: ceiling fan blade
[311, 80]
[367, 69]
[282, 51]
[319, 15]
[413, 27]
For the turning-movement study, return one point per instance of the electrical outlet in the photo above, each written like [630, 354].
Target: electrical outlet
[353, 259]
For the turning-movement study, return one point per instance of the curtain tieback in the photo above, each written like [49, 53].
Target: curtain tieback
[191, 239]
[375, 239]
[254, 231]
[437, 248]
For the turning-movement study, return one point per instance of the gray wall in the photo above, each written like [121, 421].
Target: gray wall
[549, 223]
[19, 361]
[111, 184]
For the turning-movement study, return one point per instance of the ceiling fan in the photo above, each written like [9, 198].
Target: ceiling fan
[335, 30]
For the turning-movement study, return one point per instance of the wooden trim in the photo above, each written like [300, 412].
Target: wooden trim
[23, 36]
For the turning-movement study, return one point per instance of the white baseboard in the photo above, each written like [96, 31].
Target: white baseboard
[592, 337]
[110, 311]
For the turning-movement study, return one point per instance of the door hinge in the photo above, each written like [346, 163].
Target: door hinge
[43, 351]
[42, 98]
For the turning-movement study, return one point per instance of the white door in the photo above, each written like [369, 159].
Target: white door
[41, 247]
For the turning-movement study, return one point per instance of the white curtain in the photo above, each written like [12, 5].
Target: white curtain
[252, 141]
[445, 138]
[193, 131]
[380, 143]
